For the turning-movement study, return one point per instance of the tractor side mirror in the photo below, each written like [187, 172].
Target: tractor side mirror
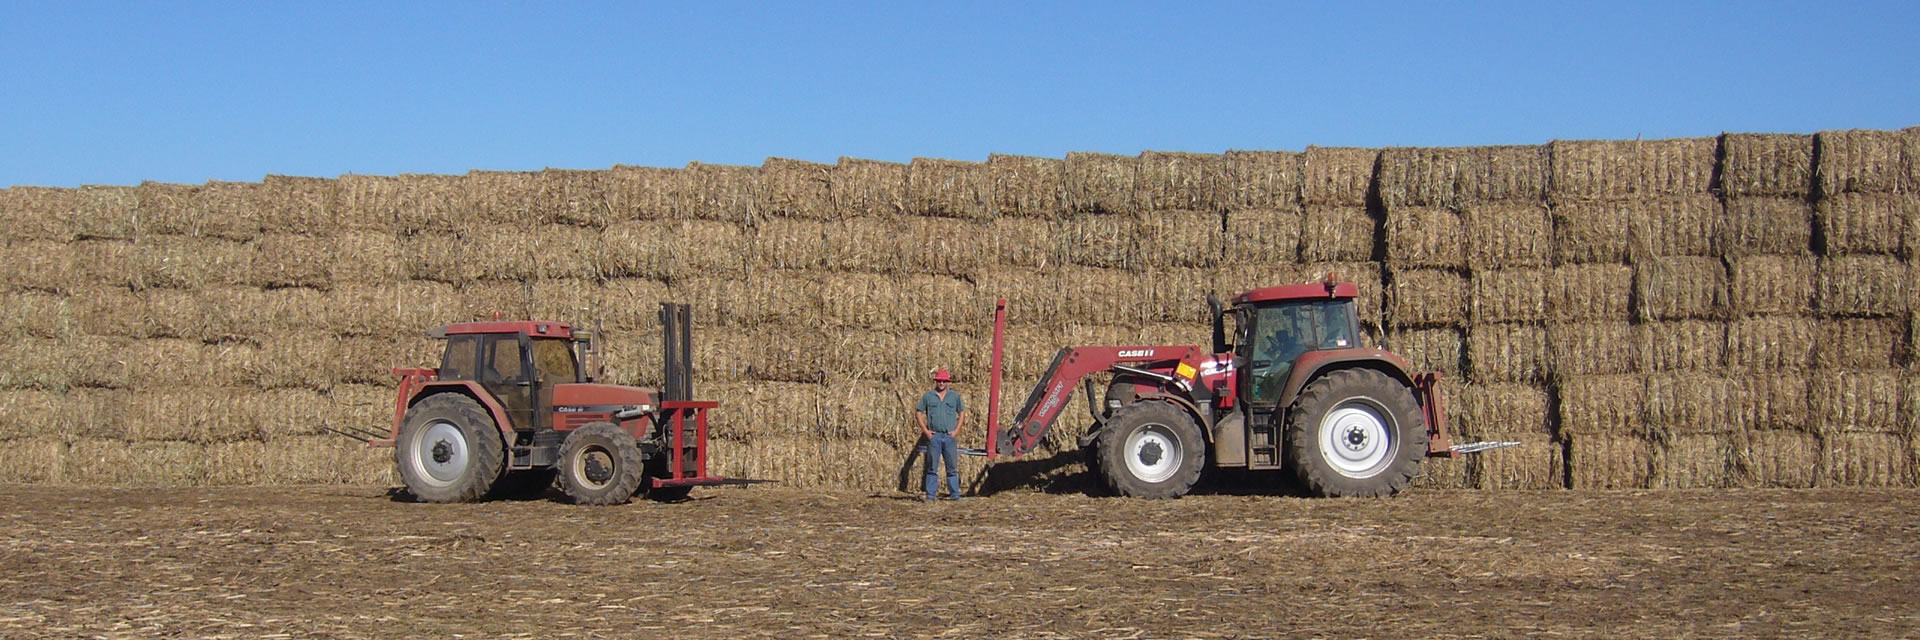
[1219, 325]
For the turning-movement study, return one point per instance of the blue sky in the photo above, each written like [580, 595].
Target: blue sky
[120, 92]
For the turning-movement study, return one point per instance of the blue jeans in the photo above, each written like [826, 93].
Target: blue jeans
[943, 447]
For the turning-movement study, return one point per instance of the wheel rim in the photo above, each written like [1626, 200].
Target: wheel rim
[1153, 453]
[440, 454]
[594, 467]
[1355, 440]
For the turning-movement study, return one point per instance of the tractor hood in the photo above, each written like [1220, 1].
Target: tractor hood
[601, 395]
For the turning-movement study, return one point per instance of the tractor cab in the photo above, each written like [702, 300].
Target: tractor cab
[1275, 326]
[519, 363]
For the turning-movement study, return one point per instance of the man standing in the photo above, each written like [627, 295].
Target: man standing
[940, 413]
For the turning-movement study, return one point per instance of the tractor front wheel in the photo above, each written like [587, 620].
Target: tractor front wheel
[449, 450]
[600, 464]
[1151, 450]
[1354, 433]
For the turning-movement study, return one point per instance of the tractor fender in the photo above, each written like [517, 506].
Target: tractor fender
[1185, 404]
[467, 388]
[1314, 363]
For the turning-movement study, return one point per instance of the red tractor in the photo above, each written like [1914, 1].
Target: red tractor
[1293, 389]
[513, 406]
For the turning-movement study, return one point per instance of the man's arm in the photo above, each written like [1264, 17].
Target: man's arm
[922, 417]
[959, 421]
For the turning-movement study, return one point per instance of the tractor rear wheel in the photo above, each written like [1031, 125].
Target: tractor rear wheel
[1151, 450]
[600, 464]
[1355, 433]
[449, 450]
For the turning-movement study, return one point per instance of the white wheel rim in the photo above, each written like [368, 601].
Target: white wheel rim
[1355, 441]
[593, 454]
[1153, 453]
[440, 454]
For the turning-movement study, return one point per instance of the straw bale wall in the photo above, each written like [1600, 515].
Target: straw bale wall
[1733, 311]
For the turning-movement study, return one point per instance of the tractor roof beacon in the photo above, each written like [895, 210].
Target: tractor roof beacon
[513, 407]
[1286, 385]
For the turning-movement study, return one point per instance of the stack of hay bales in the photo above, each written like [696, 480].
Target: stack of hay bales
[1628, 318]
[1861, 385]
[1468, 255]
[1636, 301]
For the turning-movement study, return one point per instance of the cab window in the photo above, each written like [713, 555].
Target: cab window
[458, 364]
[554, 359]
[502, 354]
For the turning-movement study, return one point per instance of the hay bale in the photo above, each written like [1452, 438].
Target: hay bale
[1097, 296]
[1865, 401]
[1425, 237]
[1029, 294]
[1771, 343]
[1508, 353]
[1590, 292]
[770, 296]
[284, 413]
[644, 193]
[1511, 295]
[368, 202]
[1773, 284]
[1101, 183]
[573, 197]
[40, 461]
[1507, 234]
[306, 460]
[572, 301]
[1497, 411]
[1442, 350]
[1337, 234]
[1865, 460]
[1617, 169]
[1862, 285]
[1866, 223]
[790, 188]
[108, 311]
[1609, 461]
[63, 268]
[1675, 226]
[670, 250]
[1023, 242]
[868, 188]
[200, 415]
[1766, 226]
[37, 314]
[1608, 404]
[296, 260]
[33, 213]
[1455, 176]
[1679, 288]
[1591, 348]
[722, 193]
[762, 411]
[1263, 236]
[1445, 474]
[1179, 295]
[1175, 180]
[1860, 343]
[1026, 186]
[1263, 180]
[510, 198]
[911, 356]
[1779, 458]
[1697, 461]
[936, 246]
[884, 412]
[792, 243]
[1775, 401]
[1690, 403]
[207, 315]
[631, 305]
[171, 362]
[102, 212]
[1426, 298]
[1337, 175]
[1859, 161]
[1766, 164]
[949, 189]
[1537, 463]
[114, 463]
[226, 210]
[1178, 239]
[1585, 232]
[1506, 173]
[186, 262]
[32, 413]
[904, 302]
[562, 251]
[1684, 345]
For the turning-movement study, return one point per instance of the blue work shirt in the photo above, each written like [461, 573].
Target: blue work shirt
[943, 416]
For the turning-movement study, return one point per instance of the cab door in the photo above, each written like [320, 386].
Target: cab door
[507, 371]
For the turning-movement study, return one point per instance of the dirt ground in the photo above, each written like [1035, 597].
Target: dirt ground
[766, 561]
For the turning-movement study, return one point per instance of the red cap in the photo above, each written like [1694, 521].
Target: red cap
[941, 375]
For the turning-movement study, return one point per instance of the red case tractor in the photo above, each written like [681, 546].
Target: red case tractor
[1292, 389]
[513, 407]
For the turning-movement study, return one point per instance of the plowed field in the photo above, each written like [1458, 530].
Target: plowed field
[772, 562]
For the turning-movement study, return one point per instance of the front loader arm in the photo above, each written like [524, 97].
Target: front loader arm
[1049, 398]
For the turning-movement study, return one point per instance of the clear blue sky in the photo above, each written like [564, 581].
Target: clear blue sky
[119, 92]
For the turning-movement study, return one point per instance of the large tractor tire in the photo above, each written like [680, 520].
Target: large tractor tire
[1355, 433]
[1151, 450]
[449, 450]
[600, 464]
